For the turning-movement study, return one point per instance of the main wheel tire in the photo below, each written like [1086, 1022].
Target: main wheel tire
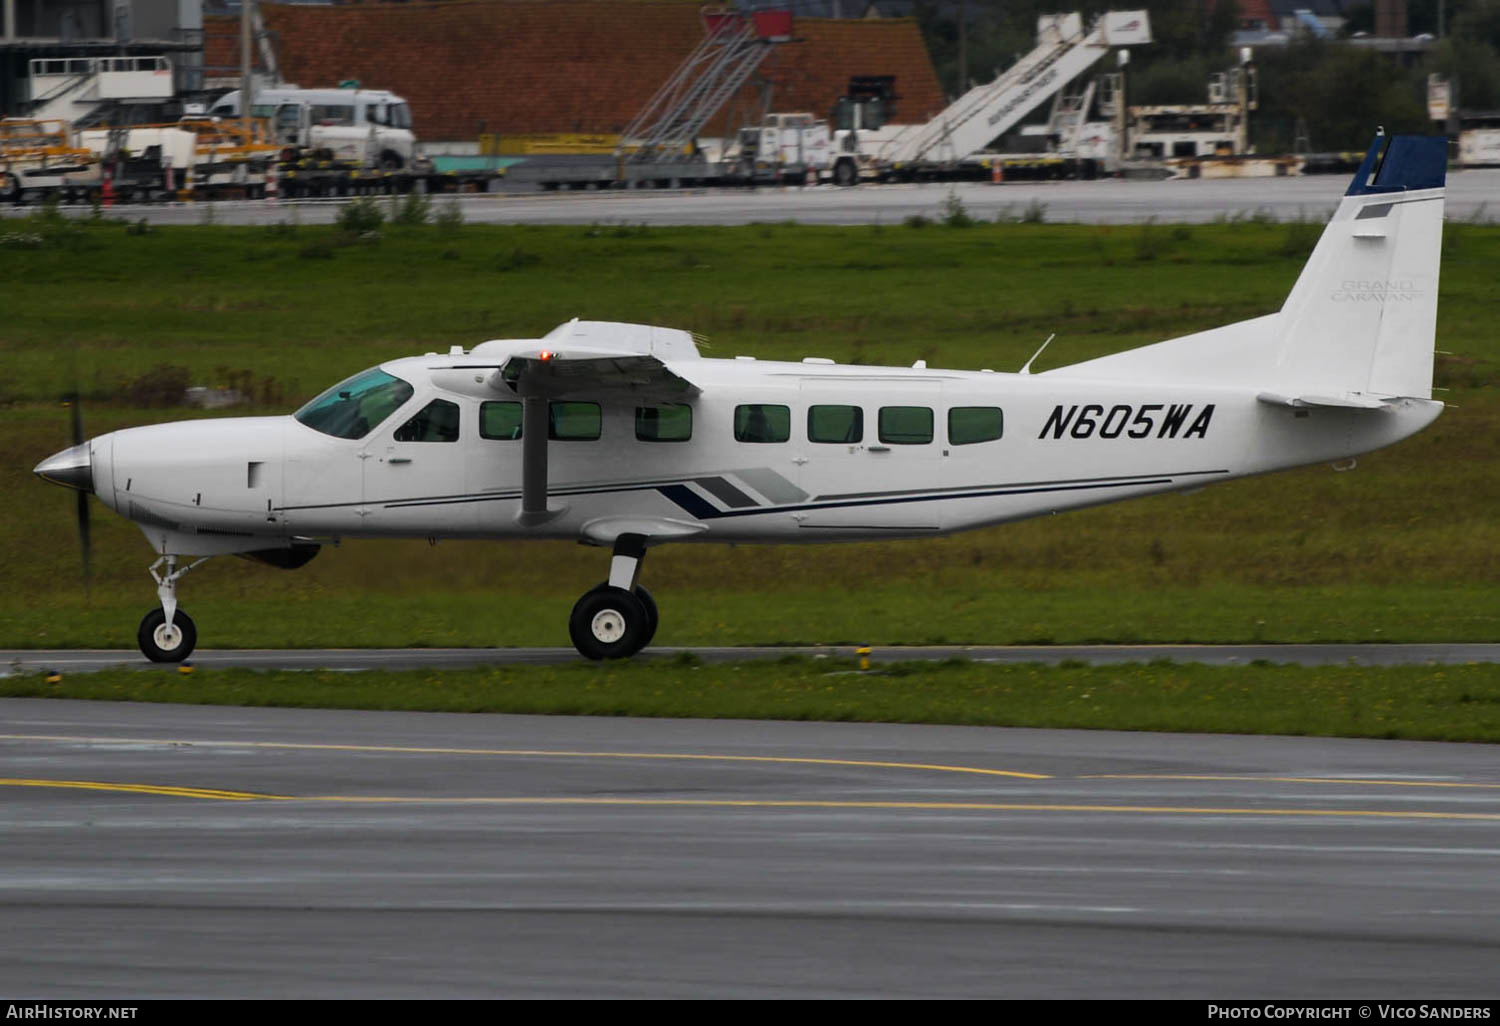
[162, 644]
[608, 623]
[649, 605]
[845, 174]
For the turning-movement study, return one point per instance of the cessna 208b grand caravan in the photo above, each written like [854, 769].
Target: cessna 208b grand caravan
[623, 436]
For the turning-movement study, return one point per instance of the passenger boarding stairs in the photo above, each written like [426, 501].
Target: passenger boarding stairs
[1063, 52]
[70, 89]
[733, 46]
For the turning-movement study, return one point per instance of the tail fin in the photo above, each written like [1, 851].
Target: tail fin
[1363, 316]
[1360, 321]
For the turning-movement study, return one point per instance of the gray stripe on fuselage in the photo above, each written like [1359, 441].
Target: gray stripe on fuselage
[725, 492]
[957, 492]
[772, 485]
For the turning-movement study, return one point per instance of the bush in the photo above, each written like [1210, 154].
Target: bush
[360, 216]
[954, 214]
[47, 228]
[162, 385]
[450, 217]
[414, 208]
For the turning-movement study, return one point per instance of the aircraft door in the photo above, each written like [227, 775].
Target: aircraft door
[866, 460]
[416, 474]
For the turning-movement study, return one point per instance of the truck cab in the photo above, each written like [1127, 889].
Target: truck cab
[369, 127]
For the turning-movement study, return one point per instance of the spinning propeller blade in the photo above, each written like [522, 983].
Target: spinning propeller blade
[82, 507]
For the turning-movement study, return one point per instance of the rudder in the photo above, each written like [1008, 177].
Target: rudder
[1362, 317]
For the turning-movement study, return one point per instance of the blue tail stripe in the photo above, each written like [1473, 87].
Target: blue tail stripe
[1411, 162]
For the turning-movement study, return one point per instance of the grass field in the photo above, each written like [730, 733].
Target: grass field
[1451, 703]
[1406, 548]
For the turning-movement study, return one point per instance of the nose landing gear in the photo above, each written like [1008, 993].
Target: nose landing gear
[167, 634]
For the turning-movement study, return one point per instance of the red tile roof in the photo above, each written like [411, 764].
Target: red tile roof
[531, 66]
[1257, 11]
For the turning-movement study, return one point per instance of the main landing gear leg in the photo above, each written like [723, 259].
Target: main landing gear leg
[618, 618]
[168, 635]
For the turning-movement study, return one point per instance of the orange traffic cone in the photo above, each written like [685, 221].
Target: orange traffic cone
[107, 192]
[997, 171]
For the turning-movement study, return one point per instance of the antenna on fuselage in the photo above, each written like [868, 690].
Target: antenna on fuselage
[1027, 369]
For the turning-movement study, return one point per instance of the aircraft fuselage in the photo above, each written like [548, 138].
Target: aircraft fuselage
[891, 469]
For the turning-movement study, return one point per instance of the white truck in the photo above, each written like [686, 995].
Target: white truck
[367, 127]
[786, 148]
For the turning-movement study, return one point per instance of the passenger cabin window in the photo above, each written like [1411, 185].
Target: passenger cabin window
[573, 422]
[500, 420]
[435, 422]
[970, 424]
[670, 423]
[835, 424]
[352, 408]
[905, 425]
[760, 423]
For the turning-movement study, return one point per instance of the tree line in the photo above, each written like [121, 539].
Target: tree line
[1333, 91]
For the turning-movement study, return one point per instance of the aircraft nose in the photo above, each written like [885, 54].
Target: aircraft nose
[72, 468]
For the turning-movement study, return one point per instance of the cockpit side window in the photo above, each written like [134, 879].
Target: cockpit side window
[435, 422]
[352, 408]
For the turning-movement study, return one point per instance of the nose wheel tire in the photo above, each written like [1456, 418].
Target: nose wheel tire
[162, 644]
[611, 623]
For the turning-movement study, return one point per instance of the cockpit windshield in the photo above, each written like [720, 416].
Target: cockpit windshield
[352, 408]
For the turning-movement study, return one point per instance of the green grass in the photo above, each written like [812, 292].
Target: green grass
[301, 307]
[1455, 703]
[1407, 548]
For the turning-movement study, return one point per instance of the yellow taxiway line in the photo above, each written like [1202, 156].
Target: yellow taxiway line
[161, 789]
[528, 753]
[739, 803]
[1288, 780]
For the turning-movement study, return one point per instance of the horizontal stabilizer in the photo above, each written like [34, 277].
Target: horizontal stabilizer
[1347, 401]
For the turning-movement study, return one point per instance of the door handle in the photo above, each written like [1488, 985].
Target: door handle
[399, 459]
[878, 448]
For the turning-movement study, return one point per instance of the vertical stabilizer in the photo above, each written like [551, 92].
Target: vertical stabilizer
[1362, 318]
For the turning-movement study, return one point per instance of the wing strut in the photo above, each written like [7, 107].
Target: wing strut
[534, 425]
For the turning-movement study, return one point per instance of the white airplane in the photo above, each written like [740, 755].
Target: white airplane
[623, 436]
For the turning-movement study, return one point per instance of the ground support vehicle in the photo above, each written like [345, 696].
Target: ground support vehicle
[368, 127]
[38, 157]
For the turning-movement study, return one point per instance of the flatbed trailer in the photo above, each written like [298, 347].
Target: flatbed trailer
[306, 179]
[554, 172]
[145, 180]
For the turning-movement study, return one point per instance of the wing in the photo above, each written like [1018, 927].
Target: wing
[556, 375]
[541, 375]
